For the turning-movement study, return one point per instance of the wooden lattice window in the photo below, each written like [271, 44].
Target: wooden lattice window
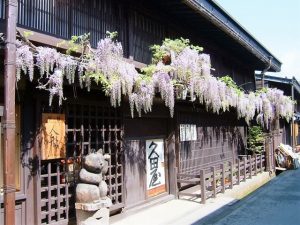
[91, 127]
[88, 128]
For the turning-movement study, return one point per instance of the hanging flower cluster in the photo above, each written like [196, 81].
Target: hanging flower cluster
[46, 59]
[54, 85]
[108, 62]
[272, 103]
[190, 71]
[142, 97]
[177, 69]
[24, 61]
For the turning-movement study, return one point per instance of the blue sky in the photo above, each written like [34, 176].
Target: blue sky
[275, 24]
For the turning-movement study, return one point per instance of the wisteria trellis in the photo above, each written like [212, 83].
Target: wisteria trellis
[189, 70]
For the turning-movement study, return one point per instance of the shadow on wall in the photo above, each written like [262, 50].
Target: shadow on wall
[135, 163]
[214, 144]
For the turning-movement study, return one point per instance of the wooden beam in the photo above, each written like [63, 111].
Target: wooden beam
[52, 41]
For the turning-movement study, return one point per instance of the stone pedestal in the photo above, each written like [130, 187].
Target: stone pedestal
[96, 213]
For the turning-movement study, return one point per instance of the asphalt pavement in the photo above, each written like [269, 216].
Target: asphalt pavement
[276, 203]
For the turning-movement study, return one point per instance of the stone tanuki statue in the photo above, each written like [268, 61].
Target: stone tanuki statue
[91, 192]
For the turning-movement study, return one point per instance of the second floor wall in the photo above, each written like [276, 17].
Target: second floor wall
[140, 24]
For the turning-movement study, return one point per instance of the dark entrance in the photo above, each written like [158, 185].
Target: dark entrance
[89, 126]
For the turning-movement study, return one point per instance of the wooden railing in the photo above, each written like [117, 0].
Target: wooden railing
[217, 179]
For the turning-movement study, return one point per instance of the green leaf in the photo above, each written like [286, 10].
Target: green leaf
[27, 34]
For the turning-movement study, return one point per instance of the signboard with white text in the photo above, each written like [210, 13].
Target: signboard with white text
[156, 183]
[188, 132]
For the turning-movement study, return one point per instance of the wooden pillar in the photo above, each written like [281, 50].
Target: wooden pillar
[172, 164]
[203, 186]
[239, 172]
[176, 191]
[223, 177]
[261, 163]
[250, 166]
[9, 125]
[245, 168]
[231, 174]
[255, 168]
[214, 189]
[267, 156]
[292, 120]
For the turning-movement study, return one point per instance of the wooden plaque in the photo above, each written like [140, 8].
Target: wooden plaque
[53, 133]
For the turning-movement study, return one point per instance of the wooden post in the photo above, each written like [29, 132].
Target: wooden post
[255, 165]
[239, 172]
[58, 189]
[250, 165]
[9, 124]
[231, 174]
[171, 149]
[261, 163]
[292, 120]
[214, 189]
[267, 154]
[245, 168]
[223, 177]
[203, 186]
[175, 183]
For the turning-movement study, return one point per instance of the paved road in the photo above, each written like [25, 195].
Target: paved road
[277, 203]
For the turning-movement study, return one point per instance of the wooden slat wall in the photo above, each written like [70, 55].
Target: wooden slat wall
[139, 26]
[219, 139]
[144, 31]
[64, 18]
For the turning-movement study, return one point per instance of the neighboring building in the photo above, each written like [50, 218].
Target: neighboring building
[46, 187]
[290, 87]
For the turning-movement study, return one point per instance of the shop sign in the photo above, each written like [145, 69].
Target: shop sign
[53, 141]
[188, 132]
[155, 167]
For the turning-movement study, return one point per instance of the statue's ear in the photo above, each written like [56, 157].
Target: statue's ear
[100, 151]
[107, 156]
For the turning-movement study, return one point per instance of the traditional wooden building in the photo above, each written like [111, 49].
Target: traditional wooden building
[290, 87]
[191, 140]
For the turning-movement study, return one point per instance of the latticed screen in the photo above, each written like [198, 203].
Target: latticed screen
[89, 127]
[54, 192]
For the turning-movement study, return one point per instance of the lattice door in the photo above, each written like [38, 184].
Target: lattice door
[89, 127]
[54, 193]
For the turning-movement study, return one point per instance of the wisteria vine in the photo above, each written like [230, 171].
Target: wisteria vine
[178, 69]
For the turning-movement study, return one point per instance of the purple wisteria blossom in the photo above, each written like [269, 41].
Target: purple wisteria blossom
[165, 86]
[24, 61]
[54, 86]
[46, 59]
[189, 71]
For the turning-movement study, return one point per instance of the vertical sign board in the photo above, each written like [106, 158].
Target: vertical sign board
[156, 182]
[188, 132]
[53, 144]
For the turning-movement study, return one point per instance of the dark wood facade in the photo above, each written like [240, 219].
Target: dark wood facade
[139, 25]
[47, 191]
[220, 138]
[290, 87]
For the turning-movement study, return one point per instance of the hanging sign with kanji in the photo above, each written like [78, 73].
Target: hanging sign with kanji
[155, 167]
[53, 141]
